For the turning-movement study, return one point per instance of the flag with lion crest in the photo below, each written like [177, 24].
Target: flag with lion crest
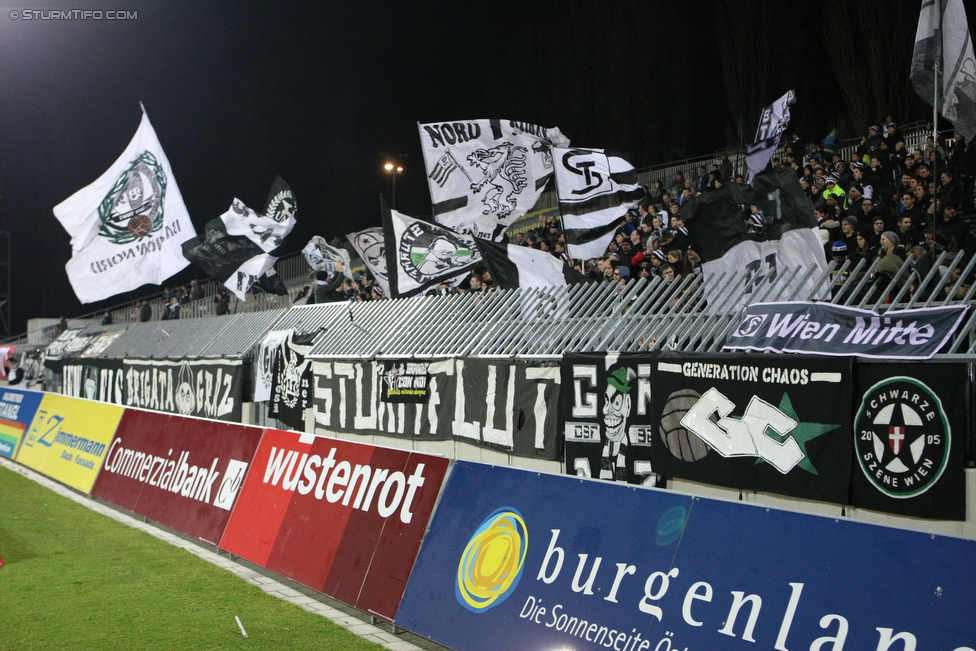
[485, 174]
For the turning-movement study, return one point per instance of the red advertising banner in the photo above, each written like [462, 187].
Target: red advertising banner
[343, 518]
[183, 473]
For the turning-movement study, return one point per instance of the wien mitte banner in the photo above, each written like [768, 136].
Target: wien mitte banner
[342, 518]
[840, 331]
[183, 473]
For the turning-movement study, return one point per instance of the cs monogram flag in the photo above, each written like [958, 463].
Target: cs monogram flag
[126, 228]
[596, 188]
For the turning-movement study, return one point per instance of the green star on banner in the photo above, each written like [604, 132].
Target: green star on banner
[802, 433]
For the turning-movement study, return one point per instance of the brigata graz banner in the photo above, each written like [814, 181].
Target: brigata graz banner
[910, 428]
[529, 561]
[605, 417]
[17, 409]
[94, 379]
[343, 518]
[505, 405]
[826, 329]
[206, 388]
[774, 423]
[183, 473]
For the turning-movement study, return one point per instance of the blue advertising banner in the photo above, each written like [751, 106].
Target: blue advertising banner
[522, 560]
[17, 409]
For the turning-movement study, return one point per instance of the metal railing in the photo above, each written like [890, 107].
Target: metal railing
[684, 315]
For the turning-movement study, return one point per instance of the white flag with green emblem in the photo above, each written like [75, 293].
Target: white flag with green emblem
[420, 255]
[126, 228]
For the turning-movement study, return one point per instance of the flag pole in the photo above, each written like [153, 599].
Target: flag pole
[935, 87]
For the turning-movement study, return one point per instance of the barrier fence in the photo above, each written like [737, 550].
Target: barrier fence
[475, 556]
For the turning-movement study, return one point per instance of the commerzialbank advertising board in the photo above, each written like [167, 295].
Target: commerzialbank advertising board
[524, 560]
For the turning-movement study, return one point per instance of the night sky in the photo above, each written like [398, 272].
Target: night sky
[323, 95]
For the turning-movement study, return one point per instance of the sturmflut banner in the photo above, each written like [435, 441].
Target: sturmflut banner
[126, 228]
[836, 330]
[485, 174]
[510, 406]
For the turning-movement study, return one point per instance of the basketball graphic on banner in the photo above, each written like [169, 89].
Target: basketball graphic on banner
[140, 226]
[682, 444]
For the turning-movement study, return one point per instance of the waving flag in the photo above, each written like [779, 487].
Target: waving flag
[596, 188]
[420, 254]
[126, 228]
[485, 174]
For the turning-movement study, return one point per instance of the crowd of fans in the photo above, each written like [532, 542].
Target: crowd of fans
[885, 203]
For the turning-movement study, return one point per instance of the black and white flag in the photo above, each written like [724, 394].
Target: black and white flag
[789, 240]
[233, 260]
[943, 38]
[772, 124]
[292, 384]
[322, 257]
[238, 248]
[520, 266]
[596, 188]
[485, 174]
[371, 247]
[264, 368]
[420, 254]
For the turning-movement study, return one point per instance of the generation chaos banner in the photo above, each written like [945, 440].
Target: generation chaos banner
[772, 423]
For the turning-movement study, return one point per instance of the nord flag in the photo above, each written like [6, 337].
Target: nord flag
[789, 240]
[520, 266]
[485, 174]
[596, 188]
[943, 38]
[126, 228]
[772, 124]
[420, 254]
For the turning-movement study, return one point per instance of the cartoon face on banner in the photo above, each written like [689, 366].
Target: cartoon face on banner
[604, 406]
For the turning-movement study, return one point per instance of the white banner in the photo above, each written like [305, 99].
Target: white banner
[127, 227]
[772, 123]
[485, 174]
[370, 246]
[596, 188]
[766, 262]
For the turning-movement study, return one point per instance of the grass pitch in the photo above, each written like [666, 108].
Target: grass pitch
[75, 579]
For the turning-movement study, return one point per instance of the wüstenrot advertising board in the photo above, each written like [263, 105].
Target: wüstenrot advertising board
[343, 518]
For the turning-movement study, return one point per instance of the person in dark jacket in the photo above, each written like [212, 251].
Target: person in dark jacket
[326, 287]
[954, 233]
[15, 374]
